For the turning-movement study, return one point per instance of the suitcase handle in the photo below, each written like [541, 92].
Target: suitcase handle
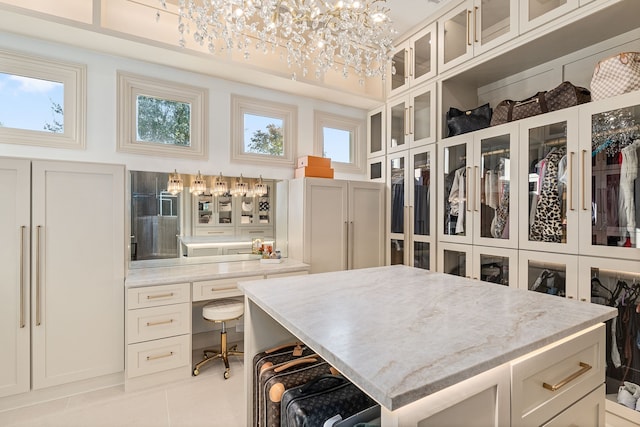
[301, 361]
[315, 384]
[295, 345]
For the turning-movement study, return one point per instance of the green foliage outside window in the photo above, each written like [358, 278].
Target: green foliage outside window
[270, 142]
[163, 121]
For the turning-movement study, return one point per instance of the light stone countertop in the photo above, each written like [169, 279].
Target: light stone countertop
[401, 333]
[192, 271]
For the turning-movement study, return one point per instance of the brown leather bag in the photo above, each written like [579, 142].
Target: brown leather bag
[563, 96]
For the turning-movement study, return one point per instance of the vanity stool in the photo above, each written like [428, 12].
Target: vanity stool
[221, 311]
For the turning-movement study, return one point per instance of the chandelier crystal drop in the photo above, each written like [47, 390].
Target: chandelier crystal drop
[342, 35]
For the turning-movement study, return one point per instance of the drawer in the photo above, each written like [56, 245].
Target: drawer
[159, 355]
[552, 379]
[158, 322]
[222, 288]
[152, 296]
[294, 273]
[589, 411]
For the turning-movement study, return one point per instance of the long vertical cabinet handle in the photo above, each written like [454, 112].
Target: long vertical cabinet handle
[411, 62]
[468, 28]
[411, 120]
[466, 190]
[22, 321]
[39, 228]
[406, 125]
[570, 186]
[407, 66]
[582, 181]
[475, 24]
[477, 194]
[352, 240]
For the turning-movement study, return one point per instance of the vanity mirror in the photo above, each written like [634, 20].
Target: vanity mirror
[216, 224]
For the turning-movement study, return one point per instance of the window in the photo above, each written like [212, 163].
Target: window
[263, 131]
[42, 102]
[340, 139]
[157, 117]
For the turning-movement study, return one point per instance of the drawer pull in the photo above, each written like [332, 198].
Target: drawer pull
[162, 322]
[169, 295]
[161, 356]
[230, 288]
[584, 368]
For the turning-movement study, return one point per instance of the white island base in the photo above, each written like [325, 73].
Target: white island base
[504, 362]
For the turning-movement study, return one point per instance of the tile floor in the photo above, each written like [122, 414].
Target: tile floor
[206, 400]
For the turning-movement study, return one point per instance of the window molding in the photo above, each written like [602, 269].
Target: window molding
[73, 77]
[357, 150]
[287, 113]
[132, 85]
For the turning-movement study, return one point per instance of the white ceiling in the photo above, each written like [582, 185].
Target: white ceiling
[407, 14]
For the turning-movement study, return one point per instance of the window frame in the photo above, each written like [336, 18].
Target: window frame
[132, 85]
[73, 78]
[285, 112]
[355, 126]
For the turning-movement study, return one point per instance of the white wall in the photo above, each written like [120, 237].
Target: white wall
[101, 115]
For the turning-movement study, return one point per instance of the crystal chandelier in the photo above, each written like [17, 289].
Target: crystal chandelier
[260, 188]
[319, 34]
[219, 187]
[198, 185]
[174, 186]
[241, 188]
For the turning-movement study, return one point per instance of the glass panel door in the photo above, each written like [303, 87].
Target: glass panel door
[422, 255]
[455, 181]
[495, 187]
[422, 127]
[422, 194]
[495, 20]
[455, 262]
[399, 72]
[494, 269]
[455, 38]
[548, 273]
[397, 124]
[397, 202]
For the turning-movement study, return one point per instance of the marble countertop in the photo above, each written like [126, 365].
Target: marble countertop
[193, 272]
[402, 333]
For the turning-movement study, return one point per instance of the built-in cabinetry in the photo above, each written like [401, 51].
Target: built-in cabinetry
[243, 215]
[61, 311]
[411, 119]
[486, 263]
[335, 224]
[410, 226]
[414, 61]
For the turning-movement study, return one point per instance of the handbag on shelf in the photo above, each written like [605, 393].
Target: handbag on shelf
[459, 122]
[616, 75]
[562, 96]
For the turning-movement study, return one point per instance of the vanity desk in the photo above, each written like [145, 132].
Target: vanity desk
[163, 305]
[440, 350]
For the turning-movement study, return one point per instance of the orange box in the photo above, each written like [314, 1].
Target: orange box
[314, 161]
[310, 171]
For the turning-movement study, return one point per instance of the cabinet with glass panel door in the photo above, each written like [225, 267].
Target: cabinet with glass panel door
[411, 119]
[475, 27]
[548, 178]
[411, 209]
[549, 273]
[609, 189]
[489, 264]
[475, 180]
[413, 62]
[534, 13]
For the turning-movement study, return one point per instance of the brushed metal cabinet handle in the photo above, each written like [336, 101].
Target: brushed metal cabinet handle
[38, 290]
[584, 368]
[22, 320]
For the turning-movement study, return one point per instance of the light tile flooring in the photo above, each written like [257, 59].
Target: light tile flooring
[206, 400]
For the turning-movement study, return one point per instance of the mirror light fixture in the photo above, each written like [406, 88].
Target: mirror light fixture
[340, 35]
[198, 184]
[241, 188]
[174, 186]
[260, 188]
[219, 187]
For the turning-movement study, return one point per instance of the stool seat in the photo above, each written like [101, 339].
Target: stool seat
[223, 309]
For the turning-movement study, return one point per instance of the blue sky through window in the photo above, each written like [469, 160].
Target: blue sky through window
[253, 123]
[337, 144]
[26, 103]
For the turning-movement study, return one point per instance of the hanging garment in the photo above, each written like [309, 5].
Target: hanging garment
[547, 222]
[397, 207]
[457, 199]
[499, 223]
[627, 206]
[491, 189]
[422, 217]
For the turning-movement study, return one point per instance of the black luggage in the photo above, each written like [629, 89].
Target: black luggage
[271, 357]
[275, 380]
[326, 398]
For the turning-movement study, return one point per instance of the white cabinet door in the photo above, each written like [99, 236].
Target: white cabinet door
[398, 202]
[455, 44]
[376, 132]
[14, 276]
[549, 273]
[422, 208]
[414, 61]
[77, 271]
[456, 259]
[325, 225]
[548, 178]
[609, 188]
[534, 13]
[366, 225]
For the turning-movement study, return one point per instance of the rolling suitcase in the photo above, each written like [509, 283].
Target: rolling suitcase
[274, 381]
[271, 357]
[326, 399]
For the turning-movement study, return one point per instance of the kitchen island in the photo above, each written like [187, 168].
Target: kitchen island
[436, 349]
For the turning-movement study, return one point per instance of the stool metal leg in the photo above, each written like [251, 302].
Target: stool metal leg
[223, 354]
